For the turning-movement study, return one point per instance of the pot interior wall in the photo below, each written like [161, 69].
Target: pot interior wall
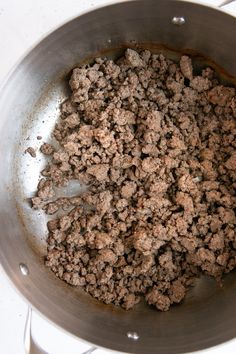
[29, 105]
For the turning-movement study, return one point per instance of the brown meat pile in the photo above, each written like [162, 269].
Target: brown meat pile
[155, 146]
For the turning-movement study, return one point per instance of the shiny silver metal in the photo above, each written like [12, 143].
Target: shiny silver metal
[24, 269]
[31, 346]
[91, 350]
[29, 106]
[133, 335]
[178, 20]
[226, 2]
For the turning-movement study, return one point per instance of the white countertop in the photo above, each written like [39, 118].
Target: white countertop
[22, 24]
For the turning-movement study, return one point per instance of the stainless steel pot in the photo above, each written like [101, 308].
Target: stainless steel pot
[29, 107]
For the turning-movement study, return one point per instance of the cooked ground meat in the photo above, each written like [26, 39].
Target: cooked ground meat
[155, 145]
[47, 149]
[31, 151]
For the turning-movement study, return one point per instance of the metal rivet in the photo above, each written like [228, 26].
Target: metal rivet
[178, 20]
[133, 335]
[24, 269]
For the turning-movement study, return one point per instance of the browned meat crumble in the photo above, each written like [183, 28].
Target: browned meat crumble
[31, 151]
[155, 145]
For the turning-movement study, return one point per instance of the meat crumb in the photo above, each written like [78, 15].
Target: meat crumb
[31, 151]
[153, 145]
[47, 149]
[186, 67]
